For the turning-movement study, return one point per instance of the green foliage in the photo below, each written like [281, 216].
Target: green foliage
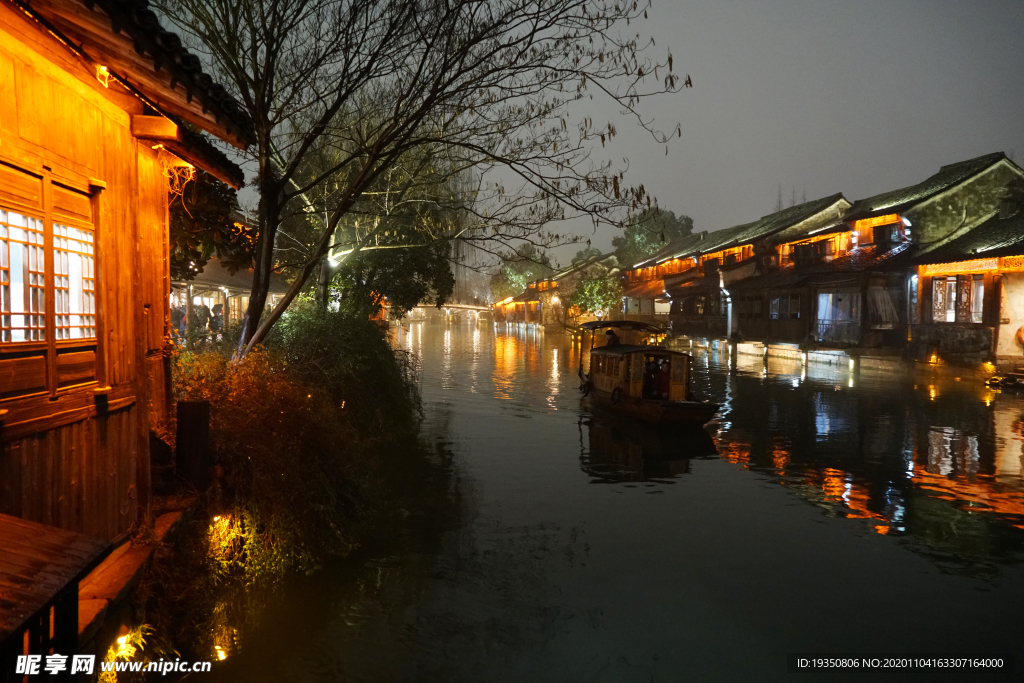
[597, 294]
[203, 223]
[347, 356]
[406, 277]
[290, 483]
[292, 430]
[653, 229]
[524, 265]
[585, 254]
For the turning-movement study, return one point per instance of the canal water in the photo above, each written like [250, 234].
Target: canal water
[824, 512]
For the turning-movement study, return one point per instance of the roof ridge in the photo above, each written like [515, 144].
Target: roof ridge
[995, 156]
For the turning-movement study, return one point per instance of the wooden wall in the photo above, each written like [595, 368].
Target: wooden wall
[72, 453]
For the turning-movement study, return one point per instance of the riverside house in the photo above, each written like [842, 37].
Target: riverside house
[699, 272]
[853, 279]
[970, 295]
[886, 304]
[92, 121]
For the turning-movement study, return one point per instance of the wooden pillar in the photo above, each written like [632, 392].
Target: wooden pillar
[190, 316]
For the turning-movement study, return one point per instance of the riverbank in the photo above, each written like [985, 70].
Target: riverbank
[312, 440]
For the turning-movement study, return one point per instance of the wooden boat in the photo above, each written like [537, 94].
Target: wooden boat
[646, 382]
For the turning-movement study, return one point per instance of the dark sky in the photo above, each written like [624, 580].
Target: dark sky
[852, 96]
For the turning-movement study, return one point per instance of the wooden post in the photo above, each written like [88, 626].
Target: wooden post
[193, 457]
[190, 316]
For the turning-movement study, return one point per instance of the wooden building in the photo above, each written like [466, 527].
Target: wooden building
[92, 124]
[853, 282]
[893, 226]
[697, 275]
[969, 303]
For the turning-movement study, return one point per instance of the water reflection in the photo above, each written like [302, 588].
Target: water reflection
[615, 451]
[898, 502]
[921, 461]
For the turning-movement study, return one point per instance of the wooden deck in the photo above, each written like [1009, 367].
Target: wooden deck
[40, 567]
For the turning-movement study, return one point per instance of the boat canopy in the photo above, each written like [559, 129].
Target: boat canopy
[622, 325]
[626, 349]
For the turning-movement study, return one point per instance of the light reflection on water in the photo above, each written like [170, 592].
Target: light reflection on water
[818, 513]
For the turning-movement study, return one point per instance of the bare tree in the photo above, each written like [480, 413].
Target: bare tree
[371, 84]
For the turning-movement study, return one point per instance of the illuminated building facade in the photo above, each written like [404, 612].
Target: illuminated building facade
[97, 96]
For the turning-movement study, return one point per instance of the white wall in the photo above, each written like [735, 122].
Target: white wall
[1011, 306]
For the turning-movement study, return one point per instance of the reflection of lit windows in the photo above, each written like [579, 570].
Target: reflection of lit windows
[912, 299]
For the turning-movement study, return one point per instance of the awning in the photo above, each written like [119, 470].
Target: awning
[650, 289]
[708, 283]
[216, 276]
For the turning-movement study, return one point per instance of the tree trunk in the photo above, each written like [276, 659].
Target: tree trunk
[190, 316]
[323, 282]
[264, 265]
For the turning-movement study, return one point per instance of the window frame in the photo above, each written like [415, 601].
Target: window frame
[69, 363]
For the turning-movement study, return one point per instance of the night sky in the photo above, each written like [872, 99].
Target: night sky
[857, 96]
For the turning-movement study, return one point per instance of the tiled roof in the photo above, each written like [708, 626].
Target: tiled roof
[141, 24]
[781, 220]
[867, 258]
[742, 234]
[995, 237]
[948, 176]
[681, 247]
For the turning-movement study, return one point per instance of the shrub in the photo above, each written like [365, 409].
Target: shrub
[293, 483]
[349, 358]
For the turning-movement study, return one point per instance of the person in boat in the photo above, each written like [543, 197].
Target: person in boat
[611, 338]
[650, 372]
[661, 380]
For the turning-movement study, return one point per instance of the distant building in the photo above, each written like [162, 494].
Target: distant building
[546, 301]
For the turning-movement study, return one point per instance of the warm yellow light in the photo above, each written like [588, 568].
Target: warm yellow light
[124, 648]
[103, 76]
[877, 220]
[962, 266]
[221, 654]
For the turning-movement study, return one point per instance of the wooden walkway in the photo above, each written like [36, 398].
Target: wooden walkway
[40, 567]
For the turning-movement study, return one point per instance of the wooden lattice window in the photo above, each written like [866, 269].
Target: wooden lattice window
[74, 277]
[48, 285]
[22, 278]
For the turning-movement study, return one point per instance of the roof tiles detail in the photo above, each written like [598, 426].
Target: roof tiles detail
[947, 177]
[997, 236]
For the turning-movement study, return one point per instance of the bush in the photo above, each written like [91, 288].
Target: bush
[297, 431]
[348, 357]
